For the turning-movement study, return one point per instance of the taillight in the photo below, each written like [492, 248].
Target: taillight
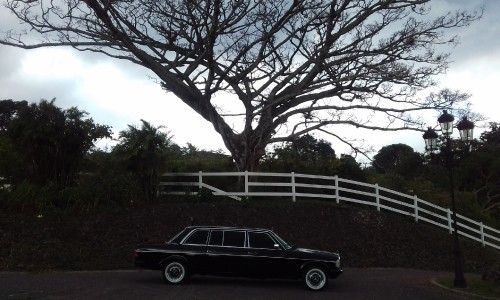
[135, 254]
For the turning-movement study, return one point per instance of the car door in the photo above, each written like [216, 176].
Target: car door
[194, 247]
[226, 252]
[267, 258]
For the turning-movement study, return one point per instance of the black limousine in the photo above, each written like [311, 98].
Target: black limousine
[231, 251]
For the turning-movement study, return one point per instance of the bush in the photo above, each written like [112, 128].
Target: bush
[90, 193]
[205, 195]
[31, 198]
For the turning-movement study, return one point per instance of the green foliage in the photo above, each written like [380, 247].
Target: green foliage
[51, 142]
[491, 137]
[468, 205]
[92, 194]
[102, 183]
[205, 195]
[144, 152]
[311, 156]
[30, 198]
[475, 286]
[105, 176]
[11, 163]
[422, 188]
[246, 201]
[306, 154]
[307, 148]
[8, 110]
[192, 159]
[349, 168]
[480, 175]
[391, 181]
[399, 159]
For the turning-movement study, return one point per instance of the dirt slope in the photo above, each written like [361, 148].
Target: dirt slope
[105, 240]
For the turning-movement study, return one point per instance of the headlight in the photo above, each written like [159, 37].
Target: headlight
[337, 263]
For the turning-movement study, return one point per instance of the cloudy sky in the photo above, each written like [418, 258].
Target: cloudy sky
[118, 93]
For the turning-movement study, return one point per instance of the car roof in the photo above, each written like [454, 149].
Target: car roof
[228, 228]
[181, 235]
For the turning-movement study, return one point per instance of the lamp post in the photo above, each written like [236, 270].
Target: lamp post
[430, 136]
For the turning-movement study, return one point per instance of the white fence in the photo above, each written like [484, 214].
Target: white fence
[327, 187]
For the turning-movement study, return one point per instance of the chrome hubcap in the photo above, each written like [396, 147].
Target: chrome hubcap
[315, 279]
[174, 272]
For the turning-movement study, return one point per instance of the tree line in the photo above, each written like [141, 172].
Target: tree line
[48, 160]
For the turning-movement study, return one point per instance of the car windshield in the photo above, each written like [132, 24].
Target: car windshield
[171, 240]
[281, 241]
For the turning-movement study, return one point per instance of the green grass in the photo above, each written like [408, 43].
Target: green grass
[476, 286]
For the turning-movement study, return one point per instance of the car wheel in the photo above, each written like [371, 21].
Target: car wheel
[315, 278]
[175, 272]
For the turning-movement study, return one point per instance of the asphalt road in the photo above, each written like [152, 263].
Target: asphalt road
[354, 284]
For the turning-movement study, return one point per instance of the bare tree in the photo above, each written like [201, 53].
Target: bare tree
[291, 67]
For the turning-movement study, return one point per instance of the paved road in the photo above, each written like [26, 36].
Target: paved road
[354, 284]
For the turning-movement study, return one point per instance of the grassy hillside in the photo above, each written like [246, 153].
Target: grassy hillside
[105, 239]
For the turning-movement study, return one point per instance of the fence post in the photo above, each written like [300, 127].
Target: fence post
[337, 196]
[449, 221]
[200, 180]
[415, 202]
[246, 183]
[482, 234]
[293, 187]
[377, 196]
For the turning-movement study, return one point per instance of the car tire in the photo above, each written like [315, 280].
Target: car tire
[175, 272]
[315, 278]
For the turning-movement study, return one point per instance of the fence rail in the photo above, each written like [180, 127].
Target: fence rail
[296, 185]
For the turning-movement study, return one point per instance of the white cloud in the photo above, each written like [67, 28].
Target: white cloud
[51, 64]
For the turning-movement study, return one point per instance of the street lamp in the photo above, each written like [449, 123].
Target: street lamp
[430, 136]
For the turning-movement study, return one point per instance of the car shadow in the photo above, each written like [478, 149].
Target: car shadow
[154, 278]
[245, 282]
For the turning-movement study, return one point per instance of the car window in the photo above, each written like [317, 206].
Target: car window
[260, 240]
[281, 241]
[199, 237]
[234, 239]
[216, 238]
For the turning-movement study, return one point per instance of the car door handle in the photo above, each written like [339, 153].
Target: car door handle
[252, 253]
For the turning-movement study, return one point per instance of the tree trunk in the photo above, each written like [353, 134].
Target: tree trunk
[248, 161]
[246, 149]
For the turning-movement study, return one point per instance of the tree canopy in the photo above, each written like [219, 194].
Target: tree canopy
[491, 137]
[289, 67]
[51, 141]
[305, 154]
[479, 172]
[397, 158]
[144, 150]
